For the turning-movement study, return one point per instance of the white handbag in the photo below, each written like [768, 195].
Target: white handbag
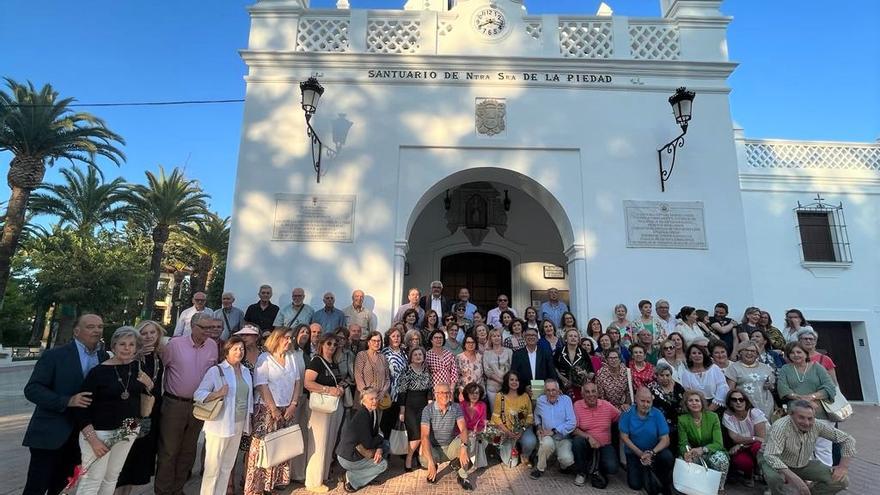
[398, 441]
[695, 479]
[839, 409]
[279, 446]
[324, 403]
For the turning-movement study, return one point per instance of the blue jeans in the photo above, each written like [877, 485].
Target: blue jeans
[583, 457]
[527, 443]
[639, 476]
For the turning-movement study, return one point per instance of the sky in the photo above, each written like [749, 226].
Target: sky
[809, 69]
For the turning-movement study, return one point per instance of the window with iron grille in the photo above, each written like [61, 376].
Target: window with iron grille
[822, 232]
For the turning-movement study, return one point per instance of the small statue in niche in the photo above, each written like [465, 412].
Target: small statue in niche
[476, 212]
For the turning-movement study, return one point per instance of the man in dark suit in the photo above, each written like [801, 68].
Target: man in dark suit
[54, 387]
[533, 362]
[435, 300]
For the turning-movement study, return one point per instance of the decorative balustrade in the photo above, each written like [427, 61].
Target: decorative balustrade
[409, 32]
[772, 154]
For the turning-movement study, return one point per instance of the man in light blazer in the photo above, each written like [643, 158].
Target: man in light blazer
[54, 386]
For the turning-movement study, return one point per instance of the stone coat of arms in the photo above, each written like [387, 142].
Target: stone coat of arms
[490, 116]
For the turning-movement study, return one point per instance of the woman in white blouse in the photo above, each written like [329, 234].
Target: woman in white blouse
[231, 382]
[278, 385]
[496, 362]
[688, 327]
[700, 374]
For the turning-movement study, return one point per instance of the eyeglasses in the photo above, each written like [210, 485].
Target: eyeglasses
[737, 399]
[330, 344]
[668, 348]
[376, 341]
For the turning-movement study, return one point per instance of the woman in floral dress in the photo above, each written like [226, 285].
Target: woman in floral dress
[470, 366]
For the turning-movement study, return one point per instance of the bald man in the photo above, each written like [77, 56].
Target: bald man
[329, 317]
[199, 300]
[645, 435]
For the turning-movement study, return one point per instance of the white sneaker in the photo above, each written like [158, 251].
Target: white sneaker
[580, 480]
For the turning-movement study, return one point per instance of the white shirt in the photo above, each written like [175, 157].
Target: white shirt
[533, 360]
[224, 425]
[711, 382]
[281, 380]
[689, 334]
[437, 305]
[493, 317]
[184, 320]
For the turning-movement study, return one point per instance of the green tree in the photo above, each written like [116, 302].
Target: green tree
[210, 241]
[84, 201]
[16, 315]
[166, 203]
[38, 128]
[101, 273]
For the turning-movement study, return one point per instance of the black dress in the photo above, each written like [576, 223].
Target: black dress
[140, 465]
[670, 405]
[414, 389]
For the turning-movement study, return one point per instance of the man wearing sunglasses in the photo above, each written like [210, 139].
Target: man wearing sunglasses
[493, 318]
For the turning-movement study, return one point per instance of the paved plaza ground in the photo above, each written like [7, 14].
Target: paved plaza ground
[15, 412]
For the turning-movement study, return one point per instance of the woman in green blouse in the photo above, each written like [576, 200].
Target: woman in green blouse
[803, 379]
[699, 435]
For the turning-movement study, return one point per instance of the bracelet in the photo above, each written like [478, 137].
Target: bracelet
[88, 435]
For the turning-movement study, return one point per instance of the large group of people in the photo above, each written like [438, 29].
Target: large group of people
[740, 396]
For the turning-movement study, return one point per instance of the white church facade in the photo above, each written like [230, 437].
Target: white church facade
[488, 148]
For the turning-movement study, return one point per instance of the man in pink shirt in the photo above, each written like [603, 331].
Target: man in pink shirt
[591, 438]
[186, 359]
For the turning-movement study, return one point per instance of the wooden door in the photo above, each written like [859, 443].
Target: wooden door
[485, 275]
[836, 340]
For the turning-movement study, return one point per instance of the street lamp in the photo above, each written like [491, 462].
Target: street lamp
[682, 103]
[311, 93]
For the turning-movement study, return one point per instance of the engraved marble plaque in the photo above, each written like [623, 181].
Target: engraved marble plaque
[665, 224]
[308, 217]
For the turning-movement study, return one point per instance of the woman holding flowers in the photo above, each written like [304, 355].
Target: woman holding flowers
[110, 423]
[512, 416]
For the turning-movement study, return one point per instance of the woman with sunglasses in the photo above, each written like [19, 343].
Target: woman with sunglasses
[753, 378]
[465, 325]
[617, 343]
[322, 377]
[746, 426]
[669, 358]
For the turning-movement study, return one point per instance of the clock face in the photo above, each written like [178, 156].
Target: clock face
[490, 22]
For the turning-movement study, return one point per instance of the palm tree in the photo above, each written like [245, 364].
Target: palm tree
[84, 201]
[166, 203]
[210, 241]
[39, 128]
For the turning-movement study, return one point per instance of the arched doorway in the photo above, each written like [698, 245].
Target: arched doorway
[484, 274]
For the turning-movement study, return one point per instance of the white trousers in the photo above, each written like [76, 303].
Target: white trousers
[219, 460]
[101, 476]
[548, 445]
[822, 451]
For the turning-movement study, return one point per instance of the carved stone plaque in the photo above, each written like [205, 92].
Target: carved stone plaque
[307, 217]
[491, 114]
[665, 224]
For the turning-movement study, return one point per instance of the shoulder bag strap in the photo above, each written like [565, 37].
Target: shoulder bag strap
[225, 319]
[629, 383]
[324, 362]
[296, 316]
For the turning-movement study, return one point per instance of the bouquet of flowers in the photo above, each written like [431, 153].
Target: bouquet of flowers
[493, 433]
[127, 432]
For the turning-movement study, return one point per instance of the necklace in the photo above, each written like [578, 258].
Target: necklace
[801, 377]
[124, 395]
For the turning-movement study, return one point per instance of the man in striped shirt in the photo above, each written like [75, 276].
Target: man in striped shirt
[786, 456]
